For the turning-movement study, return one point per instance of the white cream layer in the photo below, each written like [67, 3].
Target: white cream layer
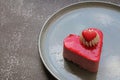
[91, 43]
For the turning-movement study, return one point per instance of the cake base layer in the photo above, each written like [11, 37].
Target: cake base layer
[80, 61]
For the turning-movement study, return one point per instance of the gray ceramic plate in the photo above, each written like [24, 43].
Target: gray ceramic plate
[73, 19]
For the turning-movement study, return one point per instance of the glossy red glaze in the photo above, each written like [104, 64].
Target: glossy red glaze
[88, 58]
[89, 34]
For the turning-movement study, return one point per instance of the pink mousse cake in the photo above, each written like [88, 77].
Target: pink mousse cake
[84, 49]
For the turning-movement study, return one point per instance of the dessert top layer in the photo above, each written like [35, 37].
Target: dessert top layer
[73, 43]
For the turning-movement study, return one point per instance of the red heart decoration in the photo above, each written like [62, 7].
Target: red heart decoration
[89, 34]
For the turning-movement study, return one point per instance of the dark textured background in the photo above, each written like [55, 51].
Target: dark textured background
[20, 24]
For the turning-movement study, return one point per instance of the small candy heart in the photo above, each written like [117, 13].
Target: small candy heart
[89, 34]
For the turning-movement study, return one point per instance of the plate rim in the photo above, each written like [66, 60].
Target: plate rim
[55, 13]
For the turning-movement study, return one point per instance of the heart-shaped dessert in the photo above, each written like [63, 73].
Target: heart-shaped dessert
[75, 51]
